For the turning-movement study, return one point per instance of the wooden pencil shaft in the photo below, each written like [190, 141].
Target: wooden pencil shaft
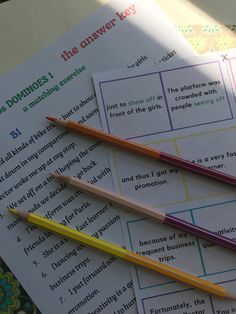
[148, 211]
[73, 234]
[179, 275]
[147, 151]
[110, 248]
[116, 199]
[113, 139]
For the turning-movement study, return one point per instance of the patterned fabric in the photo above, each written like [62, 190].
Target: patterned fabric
[209, 38]
[13, 298]
[203, 38]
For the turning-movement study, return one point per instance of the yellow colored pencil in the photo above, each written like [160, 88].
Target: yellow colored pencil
[125, 254]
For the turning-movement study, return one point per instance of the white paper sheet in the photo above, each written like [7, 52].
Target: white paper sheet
[185, 109]
[62, 276]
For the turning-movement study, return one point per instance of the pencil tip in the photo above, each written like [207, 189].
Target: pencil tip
[60, 177]
[12, 210]
[230, 295]
[23, 215]
[54, 174]
[51, 118]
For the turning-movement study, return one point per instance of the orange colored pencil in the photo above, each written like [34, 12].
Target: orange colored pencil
[145, 150]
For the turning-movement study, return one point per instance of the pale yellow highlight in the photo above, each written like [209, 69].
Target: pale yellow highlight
[174, 139]
[186, 191]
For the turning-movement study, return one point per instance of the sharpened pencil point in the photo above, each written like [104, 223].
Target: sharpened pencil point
[58, 121]
[23, 215]
[51, 119]
[12, 210]
[54, 174]
[64, 179]
[230, 295]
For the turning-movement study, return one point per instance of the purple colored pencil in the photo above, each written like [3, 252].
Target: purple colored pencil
[200, 232]
[188, 165]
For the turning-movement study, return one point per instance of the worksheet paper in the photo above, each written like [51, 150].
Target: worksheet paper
[186, 109]
[62, 276]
